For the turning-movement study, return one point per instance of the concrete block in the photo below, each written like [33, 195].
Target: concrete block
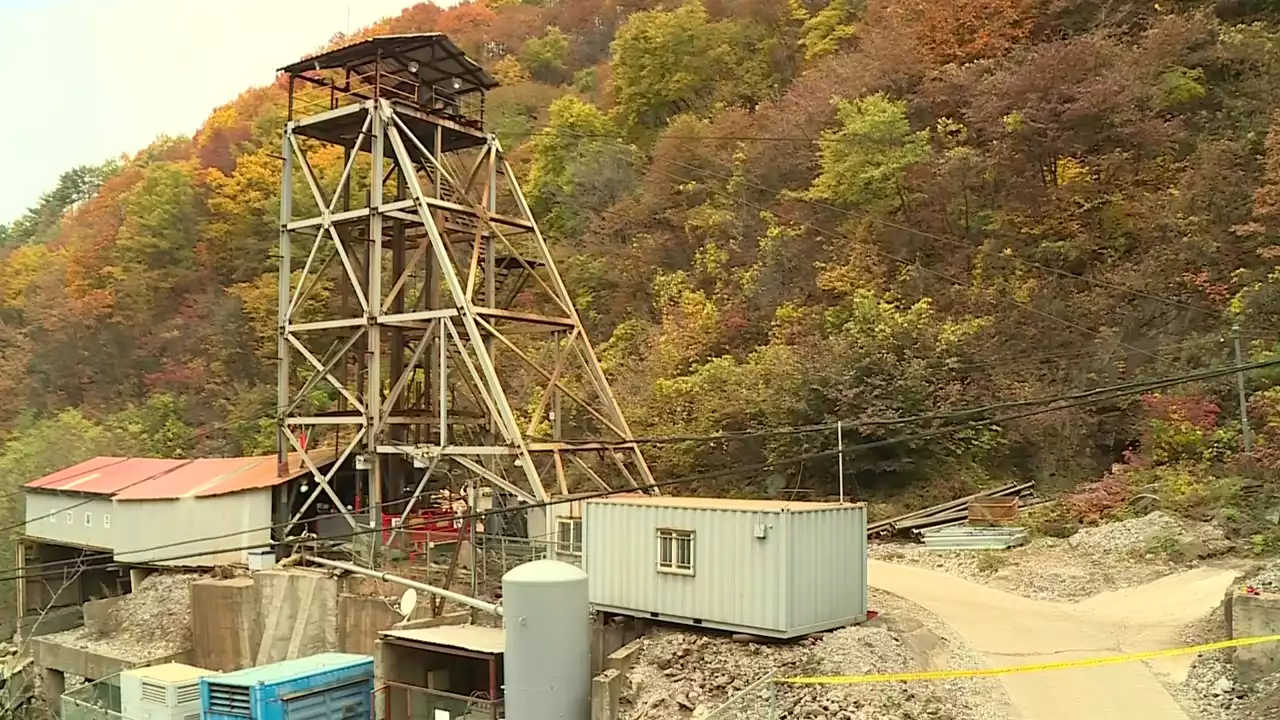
[53, 621]
[100, 616]
[55, 684]
[298, 613]
[610, 635]
[360, 618]
[52, 655]
[1254, 616]
[622, 658]
[224, 624]
[606, 695]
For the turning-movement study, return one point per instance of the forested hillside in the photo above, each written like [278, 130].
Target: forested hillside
[772, 212]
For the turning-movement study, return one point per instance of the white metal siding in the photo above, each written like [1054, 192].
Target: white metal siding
[738, 578]
[148, 524]
[828, 568]
[61, 528]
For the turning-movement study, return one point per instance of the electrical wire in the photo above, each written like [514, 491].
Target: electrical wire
[1206, 374]
[21, 573]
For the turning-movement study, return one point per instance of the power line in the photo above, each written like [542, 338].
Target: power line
[983, 423]
[207, 430]
[1207, 374]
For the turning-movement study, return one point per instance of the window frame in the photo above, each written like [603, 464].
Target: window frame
[670, 562]
[572, 547]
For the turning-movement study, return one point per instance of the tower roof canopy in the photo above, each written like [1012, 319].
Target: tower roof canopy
[439, 61]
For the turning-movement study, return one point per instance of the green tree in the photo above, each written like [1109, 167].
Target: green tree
[577, 165]
[865, 159]
[547, 57]
[155, 428]
[824, 32]
[40, 222]
[669, 62]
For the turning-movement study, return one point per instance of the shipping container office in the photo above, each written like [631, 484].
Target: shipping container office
[327, 686]
[770, 568]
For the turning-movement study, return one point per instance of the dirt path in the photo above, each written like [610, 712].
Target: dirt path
[1010, 630]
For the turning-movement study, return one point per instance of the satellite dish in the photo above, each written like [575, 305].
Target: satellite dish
[408, 601]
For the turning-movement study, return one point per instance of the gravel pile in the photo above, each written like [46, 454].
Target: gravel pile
[1094, 560]
[1129, 538]
[687, 675]
[153, 621]
[1267, 579]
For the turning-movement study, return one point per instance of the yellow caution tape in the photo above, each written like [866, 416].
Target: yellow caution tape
[994, 672]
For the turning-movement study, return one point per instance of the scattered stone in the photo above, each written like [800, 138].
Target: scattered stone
[681, 675]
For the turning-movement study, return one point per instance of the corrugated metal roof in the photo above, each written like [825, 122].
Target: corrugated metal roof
[158, 479]
[109, 478]
[438, 58]
[290, 669]
[710, 503]
[84, 468]
[476, 638]
[191, 479]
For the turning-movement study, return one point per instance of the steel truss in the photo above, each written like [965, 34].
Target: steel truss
[456, 349]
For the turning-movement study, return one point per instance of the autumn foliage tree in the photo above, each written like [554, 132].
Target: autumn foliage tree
[770, 212]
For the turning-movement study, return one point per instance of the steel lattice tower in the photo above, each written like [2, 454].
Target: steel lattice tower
[426, 333]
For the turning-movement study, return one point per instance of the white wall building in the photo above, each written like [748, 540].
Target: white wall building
[769, 568]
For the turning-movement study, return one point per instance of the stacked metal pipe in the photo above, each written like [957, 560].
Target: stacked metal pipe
[955, 512]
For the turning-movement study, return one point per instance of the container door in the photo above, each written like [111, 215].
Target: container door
[352, 701]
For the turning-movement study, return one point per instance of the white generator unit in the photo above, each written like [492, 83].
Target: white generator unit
[162, 692]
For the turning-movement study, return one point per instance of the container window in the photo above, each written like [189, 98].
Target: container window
[569, 535]
[675, 551]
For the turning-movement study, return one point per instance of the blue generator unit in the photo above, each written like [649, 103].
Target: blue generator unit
[327, 686]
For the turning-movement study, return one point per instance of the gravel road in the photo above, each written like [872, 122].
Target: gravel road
[1009, 630]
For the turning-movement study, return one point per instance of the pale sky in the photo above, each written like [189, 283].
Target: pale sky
[87, 80]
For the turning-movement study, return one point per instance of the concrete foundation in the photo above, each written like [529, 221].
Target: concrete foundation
[50, 655]
[225, 628]
[1254, 616]
[54, 683]
[606, 695]
[54, 621]
[299, 614]
[99, 615]
[610, 634]
[359, 620]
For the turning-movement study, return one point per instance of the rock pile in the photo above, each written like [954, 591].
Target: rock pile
[153, 621]
[688, 675]
[1094, 560]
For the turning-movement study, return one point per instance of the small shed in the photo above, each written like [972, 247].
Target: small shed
[448, 672]
[764, 567]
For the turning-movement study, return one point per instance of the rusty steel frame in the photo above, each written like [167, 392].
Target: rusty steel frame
[434, 326]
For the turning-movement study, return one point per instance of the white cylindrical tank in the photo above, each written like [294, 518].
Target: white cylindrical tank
[547, 622]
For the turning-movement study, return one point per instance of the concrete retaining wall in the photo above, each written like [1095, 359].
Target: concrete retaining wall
[225, 624]
[1254, 616]
[298, 610]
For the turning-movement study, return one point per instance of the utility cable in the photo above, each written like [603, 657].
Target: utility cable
[711, 475]
[1207, 374]
[1138, 386]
